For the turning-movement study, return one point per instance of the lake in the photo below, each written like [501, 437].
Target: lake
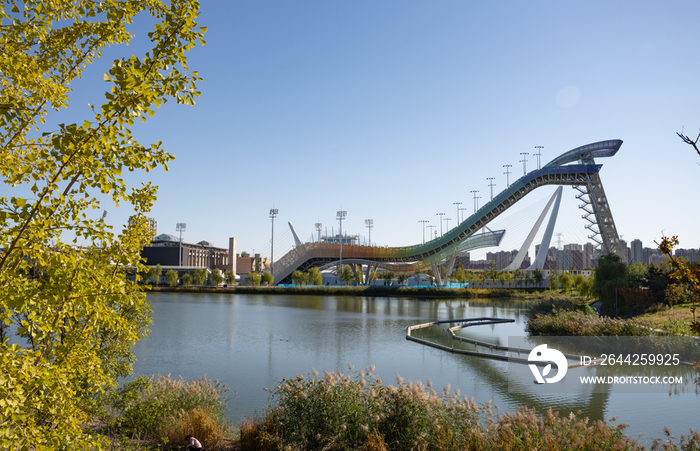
[249, 342]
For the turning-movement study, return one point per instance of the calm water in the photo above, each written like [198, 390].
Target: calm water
[251, 341]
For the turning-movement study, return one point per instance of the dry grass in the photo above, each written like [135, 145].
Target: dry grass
[165, 410]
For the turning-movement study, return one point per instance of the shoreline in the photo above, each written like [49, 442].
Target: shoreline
[372, 291]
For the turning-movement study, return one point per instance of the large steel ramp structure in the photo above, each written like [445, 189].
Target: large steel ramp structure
[584, 176]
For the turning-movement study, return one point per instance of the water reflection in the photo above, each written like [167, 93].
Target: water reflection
[251, 341]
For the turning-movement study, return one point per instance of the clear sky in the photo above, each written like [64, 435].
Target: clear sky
[394, 110]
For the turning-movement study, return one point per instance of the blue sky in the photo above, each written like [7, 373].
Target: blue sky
[394, 110]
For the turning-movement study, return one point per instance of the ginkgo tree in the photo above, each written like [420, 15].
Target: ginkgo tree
[69, 316]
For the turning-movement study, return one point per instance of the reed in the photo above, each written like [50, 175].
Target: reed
[358, 412]
[565, 323]
[166, 410]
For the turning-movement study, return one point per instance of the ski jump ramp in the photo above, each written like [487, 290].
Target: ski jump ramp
[576, 168]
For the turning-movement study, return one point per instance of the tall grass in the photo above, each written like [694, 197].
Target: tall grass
[358, 412]
[565, 323]
[166, 410]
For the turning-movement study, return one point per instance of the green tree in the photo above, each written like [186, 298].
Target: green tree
[554, 276]
[313, 276]
[268, 278]
[611, 274]
[346, 275]
[402, 278]
[186, 279]
[688, 276]
[387, 276]
[578, 281]
[537, 277]
[199, 277]
[154, 273]
[254, 278]
[637, 274]
[567, 281]
[230, 278]
[298, 278]
[518, 276]
[357, 276]
[503, 277]
[584, 288]
[459, 275]
[372, 275]
[492, 272]
[172, 277]
[80, 315]
[216, 277]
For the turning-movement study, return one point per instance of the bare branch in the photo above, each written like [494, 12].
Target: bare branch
[687, 140]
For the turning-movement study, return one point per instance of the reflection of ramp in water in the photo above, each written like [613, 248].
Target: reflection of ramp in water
[468, 322]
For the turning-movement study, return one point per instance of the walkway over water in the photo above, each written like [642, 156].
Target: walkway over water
[464, 237]
[507, 354]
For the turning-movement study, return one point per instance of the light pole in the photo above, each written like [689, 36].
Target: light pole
[524, 161]
[441, 215]
[340, 216]
[457, 204]
[491, 184]
[507, 173]
[180, 227]
[463, 209]
[273, 215]
[369, 223]
[430, 233]
[474, 191]
[539, 154]
[318, 226]
[423, 221]
[447, 223]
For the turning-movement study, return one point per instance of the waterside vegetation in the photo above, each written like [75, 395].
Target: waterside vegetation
[358, 412]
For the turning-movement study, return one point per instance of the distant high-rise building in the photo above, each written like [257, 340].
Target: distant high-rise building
[588, 252]
[637, 251]
[691, 254]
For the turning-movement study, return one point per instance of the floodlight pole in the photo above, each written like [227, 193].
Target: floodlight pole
[318, 226]
[457, 204]
[462, 209]
[423, 221]
[431, 226]
[340, 216]
[447, 221]
[369, 223]
[441, 215]
[474, 191]
[507, 173]
[180, 227]
[273, 215]
[491, 184]
[524, 161]
[539, 154]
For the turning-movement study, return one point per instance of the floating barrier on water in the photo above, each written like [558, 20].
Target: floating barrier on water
[483, 321]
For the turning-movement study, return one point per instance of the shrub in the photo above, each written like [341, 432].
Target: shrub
[160, 407]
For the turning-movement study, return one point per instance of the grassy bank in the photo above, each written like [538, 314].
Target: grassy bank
[370, 291]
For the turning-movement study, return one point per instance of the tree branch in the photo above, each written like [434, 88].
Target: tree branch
[689, 141]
